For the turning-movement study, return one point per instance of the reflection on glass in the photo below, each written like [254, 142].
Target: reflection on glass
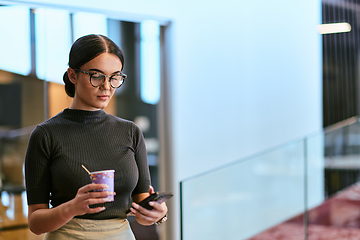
[338, 217]
[15, 40]
[53, 42]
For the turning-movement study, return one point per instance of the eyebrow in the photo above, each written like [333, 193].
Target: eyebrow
[98, 70]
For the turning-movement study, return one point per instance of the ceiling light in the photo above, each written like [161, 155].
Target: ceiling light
[330, 28]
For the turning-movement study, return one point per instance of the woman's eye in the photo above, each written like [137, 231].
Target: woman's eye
[116, 77]
[97, 76]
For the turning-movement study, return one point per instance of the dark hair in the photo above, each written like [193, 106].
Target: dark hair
[86, 48]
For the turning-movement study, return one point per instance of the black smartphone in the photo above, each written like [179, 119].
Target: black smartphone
[159, 197]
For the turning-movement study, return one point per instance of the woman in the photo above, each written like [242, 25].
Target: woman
[85, 135]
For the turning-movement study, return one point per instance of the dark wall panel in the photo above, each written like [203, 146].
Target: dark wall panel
[10, 105]
[340, 63]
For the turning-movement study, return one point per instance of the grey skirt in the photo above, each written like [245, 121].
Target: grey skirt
[76, 228]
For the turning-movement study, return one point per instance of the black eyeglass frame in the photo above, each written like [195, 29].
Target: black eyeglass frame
[123, 75]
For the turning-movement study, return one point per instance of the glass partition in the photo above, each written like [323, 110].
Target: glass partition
[306, 189]
[253, 194]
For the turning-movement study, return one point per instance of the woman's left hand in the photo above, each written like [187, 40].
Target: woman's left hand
[148, 217]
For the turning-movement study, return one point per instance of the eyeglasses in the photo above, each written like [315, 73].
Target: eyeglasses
[98, 79]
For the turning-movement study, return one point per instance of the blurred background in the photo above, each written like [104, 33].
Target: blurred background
[249, 109]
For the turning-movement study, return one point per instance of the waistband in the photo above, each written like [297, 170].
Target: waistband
[89, 225]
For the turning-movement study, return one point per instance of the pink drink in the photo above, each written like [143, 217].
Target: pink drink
[104, 177]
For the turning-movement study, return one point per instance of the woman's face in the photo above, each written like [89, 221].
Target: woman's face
[92, 98]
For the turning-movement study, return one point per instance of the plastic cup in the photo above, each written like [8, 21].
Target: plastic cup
[104, 177]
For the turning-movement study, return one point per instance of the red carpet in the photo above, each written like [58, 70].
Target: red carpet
[338, 218]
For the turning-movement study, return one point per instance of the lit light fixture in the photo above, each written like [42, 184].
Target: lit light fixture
[330, 28]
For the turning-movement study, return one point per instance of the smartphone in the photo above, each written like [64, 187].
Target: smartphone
[159, 197]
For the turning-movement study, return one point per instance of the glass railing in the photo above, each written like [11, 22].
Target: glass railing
[305, 189]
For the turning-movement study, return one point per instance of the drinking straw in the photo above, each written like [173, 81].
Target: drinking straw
[86, 169]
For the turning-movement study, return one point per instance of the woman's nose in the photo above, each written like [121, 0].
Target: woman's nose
[106, 84]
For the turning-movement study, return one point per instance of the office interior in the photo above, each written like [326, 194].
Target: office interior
[251, 119]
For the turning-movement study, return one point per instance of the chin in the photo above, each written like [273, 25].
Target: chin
[102, 106]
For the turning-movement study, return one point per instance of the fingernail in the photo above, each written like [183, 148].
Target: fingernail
[135, 205]
[151, 203]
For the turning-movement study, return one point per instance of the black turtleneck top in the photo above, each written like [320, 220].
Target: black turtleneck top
[99, 141]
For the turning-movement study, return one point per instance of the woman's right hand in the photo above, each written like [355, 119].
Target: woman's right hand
[43, 219]
[86, 196]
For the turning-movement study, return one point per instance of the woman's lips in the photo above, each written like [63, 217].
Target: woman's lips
[103, 97]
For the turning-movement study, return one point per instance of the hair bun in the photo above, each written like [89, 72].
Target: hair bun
[69, 86]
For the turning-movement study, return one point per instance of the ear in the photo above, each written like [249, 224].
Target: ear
[72, 75]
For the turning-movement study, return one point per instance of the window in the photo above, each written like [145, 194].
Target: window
[53, 42]
[88, 23]
[15, 41]
[150, 61]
